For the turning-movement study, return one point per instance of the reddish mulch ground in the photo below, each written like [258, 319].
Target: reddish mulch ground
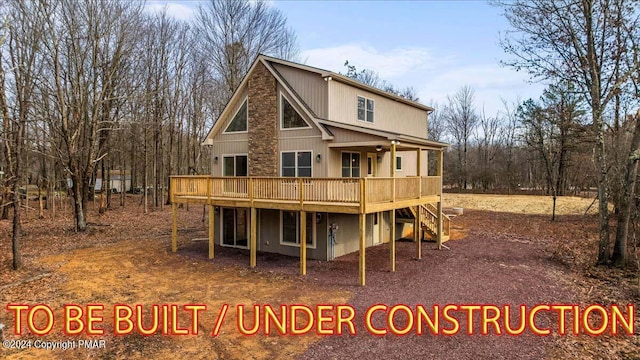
[496, 258]
[502, 258]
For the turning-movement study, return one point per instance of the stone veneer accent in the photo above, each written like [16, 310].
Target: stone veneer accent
[263, 123]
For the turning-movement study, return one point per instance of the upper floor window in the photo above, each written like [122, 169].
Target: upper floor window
[290, 117]
[240, 120]
[365, 109]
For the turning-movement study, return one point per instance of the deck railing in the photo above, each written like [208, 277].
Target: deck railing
[320, 190]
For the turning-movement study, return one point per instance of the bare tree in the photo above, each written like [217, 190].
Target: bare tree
[20, 69]
[552, 129]
[234, 32]
[435, 124]
[372, 78]
[86, 57]
[461, 120]
[577, 41]
[509, 139]
[488, 141]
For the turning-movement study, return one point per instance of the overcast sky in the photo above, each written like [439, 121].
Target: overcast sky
[434, 46]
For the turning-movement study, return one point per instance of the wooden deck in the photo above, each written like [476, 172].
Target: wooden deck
[338, 195]
[335, 195]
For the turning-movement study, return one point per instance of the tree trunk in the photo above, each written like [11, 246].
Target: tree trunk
[15, 238]
[78, 204]
[620, 254]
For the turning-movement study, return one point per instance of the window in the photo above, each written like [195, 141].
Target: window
[370, 165]
[296, 163]
[239, 121]
[234, 165]
[290, 228]
[290, 117]
[399, 163]
[365, 109]
[350, 164]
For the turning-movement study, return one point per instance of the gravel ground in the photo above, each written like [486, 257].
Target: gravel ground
[483, 268]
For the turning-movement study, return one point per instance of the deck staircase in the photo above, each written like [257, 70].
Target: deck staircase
[428, 220]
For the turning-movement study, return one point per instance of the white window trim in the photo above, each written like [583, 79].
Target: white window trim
[365, 109]
[296, 157]
[313, 230]
[221, 221]
[399, 157]
[351, 168]
[246, 98]
[280, 114]
[234, 163]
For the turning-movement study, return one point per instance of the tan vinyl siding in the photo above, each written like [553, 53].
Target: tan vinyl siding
[269, 230]
[314, 144]
[311, 87]
[303, 139]
[409, 164]
[235, 106]
[227, 148]
[335, 162]
[389, 115]
[348, 233]
[348, 136]
[226, 144]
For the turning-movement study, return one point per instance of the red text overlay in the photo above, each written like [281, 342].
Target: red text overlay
[326, 320]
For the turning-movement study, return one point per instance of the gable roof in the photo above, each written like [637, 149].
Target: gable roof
[326, 135]
[319, 123]
[347, 80]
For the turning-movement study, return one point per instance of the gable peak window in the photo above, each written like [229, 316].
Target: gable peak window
[365, 109]
[291, 119]
[240, 120]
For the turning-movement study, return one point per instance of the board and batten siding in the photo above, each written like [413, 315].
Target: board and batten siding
[311, 87]
[229, 143]
[304, 139]
[389, 115]
[349, 136]
[270, 236]
[409, 164]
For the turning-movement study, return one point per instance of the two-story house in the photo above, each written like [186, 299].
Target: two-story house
[310, 163]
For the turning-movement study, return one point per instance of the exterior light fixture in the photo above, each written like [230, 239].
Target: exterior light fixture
[318, 157]
[379, 148]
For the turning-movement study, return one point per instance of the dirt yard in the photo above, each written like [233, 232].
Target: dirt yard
[498, 257]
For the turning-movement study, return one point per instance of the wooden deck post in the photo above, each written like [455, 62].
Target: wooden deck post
[392, 171]
[419, 171]
[211, 230]
[416, 233]
[303, 242]
[252, 241]
[419, 163]
[392, 241]
[174, 227]
[362, 263]
[439, 237]
[439, 173]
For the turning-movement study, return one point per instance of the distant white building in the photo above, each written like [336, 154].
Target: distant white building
[116, 183]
